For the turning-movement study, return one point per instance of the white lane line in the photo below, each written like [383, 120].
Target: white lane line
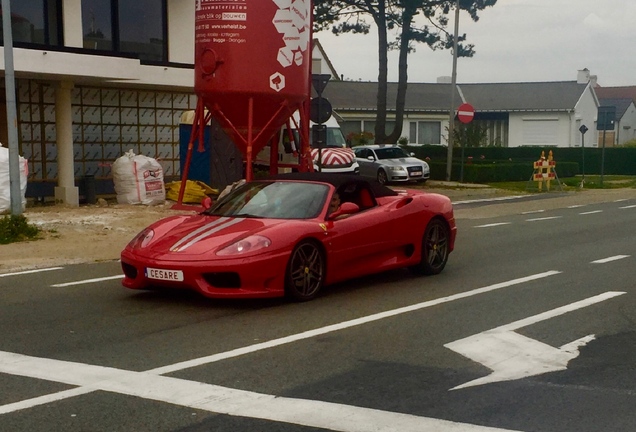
[277, 342]
[489, 199]
[557, 312]
[493, 225]
[591, 212]
[544, 218]
[609, 259]
[576, 206]
[223, 400]
[87, 281]
[532, 212]
[43, 400]
[31, 271]
[628, 207]
[621, 200]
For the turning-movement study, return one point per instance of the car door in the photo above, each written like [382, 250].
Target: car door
[361, 243]
[366, 166]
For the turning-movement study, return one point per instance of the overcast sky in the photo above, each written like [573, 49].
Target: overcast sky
[515, 41]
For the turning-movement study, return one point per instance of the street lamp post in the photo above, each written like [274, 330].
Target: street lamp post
[451, 116]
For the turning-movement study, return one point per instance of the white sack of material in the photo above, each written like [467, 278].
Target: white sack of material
[5, 180]
[138, 180]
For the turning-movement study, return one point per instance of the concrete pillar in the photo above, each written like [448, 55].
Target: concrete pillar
[65, 192]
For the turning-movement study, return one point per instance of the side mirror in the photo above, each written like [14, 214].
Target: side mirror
[206, 203]
[345, 208]
[371, 158]
[412, 154]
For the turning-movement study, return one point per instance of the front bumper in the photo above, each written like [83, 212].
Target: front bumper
[238, 277]
[353, 168]
[408, 174]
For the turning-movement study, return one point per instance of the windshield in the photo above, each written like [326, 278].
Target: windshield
[335, 138]
[273, 199]
[390, 153]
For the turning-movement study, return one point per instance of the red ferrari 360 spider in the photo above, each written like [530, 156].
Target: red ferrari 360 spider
[284, 236]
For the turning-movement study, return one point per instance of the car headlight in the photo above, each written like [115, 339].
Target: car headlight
[248, 244]
[142, 239]
[397, 168]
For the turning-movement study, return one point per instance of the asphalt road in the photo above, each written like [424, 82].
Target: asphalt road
[531, 327]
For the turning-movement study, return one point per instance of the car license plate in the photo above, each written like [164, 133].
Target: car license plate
[166, 275]
[416, 174]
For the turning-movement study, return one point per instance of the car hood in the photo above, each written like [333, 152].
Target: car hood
[402, 161]
[181, 236]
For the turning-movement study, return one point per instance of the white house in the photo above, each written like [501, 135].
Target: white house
[515, 114]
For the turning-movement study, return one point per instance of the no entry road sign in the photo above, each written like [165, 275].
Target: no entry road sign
[465, 113]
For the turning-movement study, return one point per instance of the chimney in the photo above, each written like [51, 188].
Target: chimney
[593, 81]
[583, 76]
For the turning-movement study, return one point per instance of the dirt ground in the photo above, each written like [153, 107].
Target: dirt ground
[91, 233]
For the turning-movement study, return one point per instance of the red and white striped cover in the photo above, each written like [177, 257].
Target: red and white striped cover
[334, 156]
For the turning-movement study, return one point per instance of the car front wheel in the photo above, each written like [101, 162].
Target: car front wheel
[305, 271]
[435, 249]
[382, 178]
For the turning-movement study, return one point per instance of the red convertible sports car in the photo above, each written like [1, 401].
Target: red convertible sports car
[284, 236]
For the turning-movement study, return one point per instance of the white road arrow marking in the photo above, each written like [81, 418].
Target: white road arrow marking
[512, 356]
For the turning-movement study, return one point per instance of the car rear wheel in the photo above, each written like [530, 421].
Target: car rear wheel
[305, 271]
[435, 249]
[382, 178]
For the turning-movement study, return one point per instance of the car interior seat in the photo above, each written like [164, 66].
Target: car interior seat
[365, 199]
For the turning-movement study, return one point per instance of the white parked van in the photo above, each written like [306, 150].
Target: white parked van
[334, 157]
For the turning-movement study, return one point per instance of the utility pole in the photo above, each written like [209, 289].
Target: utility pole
[12, 116]
[451, 116]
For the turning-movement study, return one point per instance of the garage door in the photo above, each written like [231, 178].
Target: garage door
[540, 132]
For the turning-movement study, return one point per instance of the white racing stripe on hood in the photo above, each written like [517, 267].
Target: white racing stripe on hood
[197, 232]
[219, 226]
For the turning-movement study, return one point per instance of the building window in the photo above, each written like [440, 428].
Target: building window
[35, 22]
[412, 132]
[97, 24]
[429, 132]
[350, 127]
[147, 40]
[114, 25]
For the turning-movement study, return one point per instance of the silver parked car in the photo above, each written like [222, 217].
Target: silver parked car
[390, 163]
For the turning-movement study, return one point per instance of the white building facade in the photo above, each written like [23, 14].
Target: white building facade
[93, 82]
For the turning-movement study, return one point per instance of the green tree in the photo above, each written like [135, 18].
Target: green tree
[423, 21]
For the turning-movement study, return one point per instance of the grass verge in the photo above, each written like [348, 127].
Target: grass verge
[572, 183]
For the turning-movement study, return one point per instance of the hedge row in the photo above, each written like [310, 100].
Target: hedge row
[496, 172]
[487, 164]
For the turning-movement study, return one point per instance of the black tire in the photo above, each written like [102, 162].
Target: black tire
[435, 249]
[382, 177]
[305, 271]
